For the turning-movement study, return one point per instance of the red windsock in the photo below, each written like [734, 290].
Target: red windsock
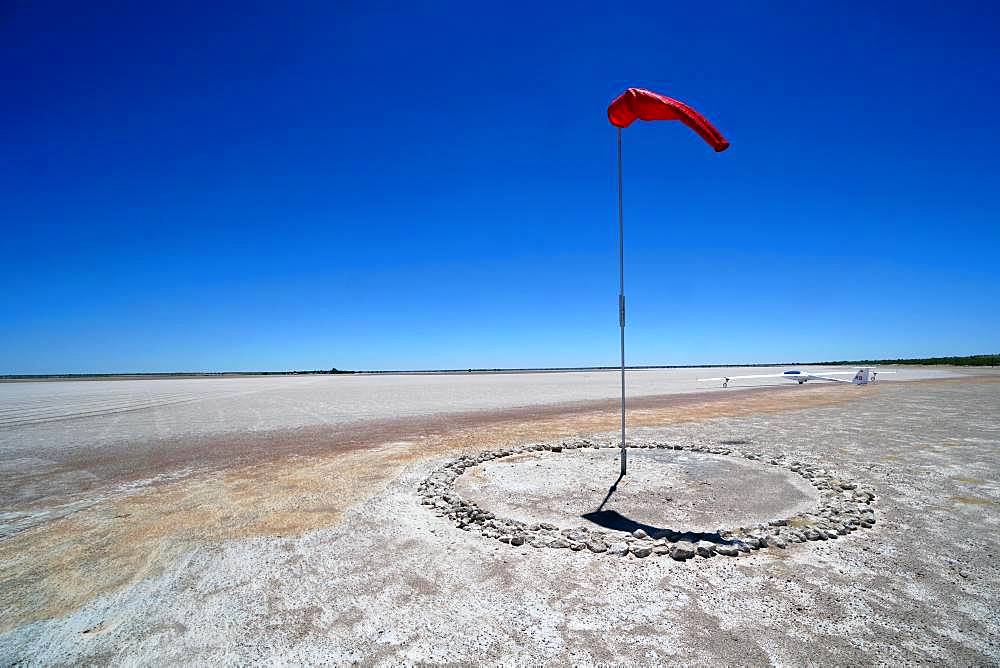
[649, 106]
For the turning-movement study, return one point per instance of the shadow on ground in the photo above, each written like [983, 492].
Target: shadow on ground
[613, 520]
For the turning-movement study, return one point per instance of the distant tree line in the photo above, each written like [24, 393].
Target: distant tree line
[967, 360]
[171, 374]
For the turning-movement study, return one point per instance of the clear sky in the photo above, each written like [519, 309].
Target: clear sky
[237, 186]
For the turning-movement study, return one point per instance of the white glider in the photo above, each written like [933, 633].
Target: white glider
[862, 376]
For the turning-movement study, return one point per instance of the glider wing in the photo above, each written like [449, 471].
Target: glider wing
[762, 375]
[813, 376]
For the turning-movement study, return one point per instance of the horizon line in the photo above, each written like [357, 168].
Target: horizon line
[984, 358]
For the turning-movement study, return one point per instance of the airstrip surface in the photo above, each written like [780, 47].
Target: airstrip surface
[154, 521]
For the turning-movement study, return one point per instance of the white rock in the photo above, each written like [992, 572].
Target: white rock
[727, 550]
[620, 548]
[705, 548]
[682, 550]
[641, 550]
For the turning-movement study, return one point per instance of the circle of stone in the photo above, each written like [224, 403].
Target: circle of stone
[844, 507]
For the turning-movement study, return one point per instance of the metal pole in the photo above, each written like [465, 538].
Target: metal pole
[621, 292]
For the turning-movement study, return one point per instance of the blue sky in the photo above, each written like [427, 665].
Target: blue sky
[236, 186]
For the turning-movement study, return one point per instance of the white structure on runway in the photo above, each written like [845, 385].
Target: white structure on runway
[862, 376]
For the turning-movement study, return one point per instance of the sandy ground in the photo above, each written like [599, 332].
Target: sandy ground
[321, 551]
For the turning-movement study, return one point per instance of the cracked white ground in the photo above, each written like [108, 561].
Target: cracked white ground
[357, 570]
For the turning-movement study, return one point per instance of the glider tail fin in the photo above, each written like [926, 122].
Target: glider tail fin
[866, 375]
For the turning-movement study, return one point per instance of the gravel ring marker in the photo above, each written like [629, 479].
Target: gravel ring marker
[844, 507]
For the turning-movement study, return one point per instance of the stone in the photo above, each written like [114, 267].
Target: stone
[845, 507]
[705, 548]
[619, 548]
[682, 550]
[775, 541]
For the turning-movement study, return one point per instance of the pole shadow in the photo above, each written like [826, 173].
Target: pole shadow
[611, 490]
[615, 521]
